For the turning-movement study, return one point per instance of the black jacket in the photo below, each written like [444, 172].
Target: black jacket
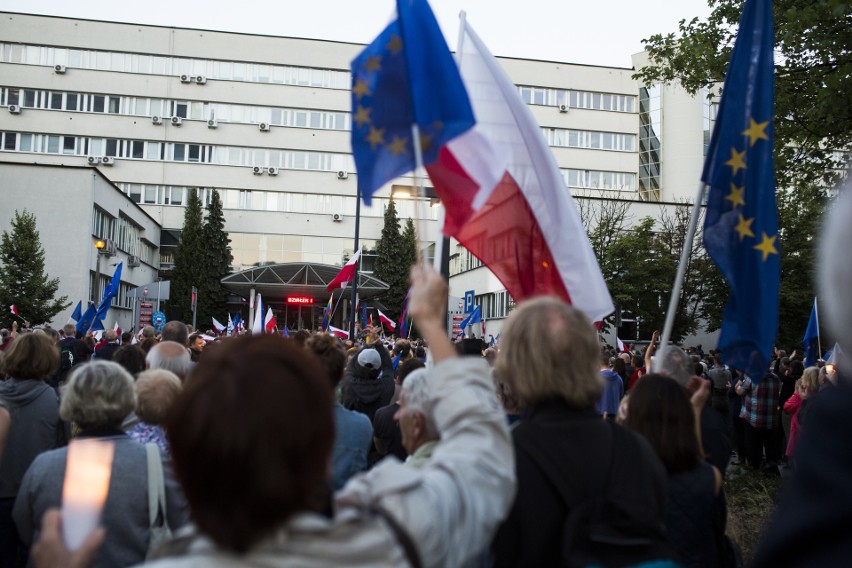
[362, 390]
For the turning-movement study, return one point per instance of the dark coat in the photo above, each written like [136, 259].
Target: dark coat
[364, 390]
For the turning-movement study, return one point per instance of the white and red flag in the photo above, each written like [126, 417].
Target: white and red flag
[346, 273]
[14, 309]
[386, 320]
[621, 345]
[269, 323]
[505, 198]
[338, 332]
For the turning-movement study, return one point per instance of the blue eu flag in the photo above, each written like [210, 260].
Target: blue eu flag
[406, 76]
[741, 224]
[87, 318]
[811, 339]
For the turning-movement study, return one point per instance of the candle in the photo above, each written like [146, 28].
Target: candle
[84, 492]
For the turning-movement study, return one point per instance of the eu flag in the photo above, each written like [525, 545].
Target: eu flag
[85, 321]
[78, 311]
[406, 76]
[811, 339]
[111, 291]
[741, 223]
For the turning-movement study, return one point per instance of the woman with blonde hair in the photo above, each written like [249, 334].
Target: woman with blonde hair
[806, 387]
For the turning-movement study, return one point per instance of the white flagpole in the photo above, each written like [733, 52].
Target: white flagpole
[681, 271]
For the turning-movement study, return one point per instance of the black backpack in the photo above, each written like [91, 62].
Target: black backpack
[67, 354]
[597, 531]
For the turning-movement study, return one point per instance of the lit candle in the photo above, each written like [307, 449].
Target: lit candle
[84, 492]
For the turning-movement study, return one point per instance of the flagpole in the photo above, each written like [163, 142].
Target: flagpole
[681, 271]
[421, 192]
[334, 311]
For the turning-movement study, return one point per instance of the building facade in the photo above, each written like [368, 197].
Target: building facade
[265, 121]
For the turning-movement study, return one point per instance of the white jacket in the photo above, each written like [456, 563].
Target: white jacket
[450, 509]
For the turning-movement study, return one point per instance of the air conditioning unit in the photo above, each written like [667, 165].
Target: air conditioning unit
[337, 218]
[201, 80]
[109, 248]
[563, 108]
[93, 160]
[342, 174]
[177, 121]
[257, 170]
[157, 119]
[108, 160]
[272, 171]
[185, 79]
[212, 124]
[15, 109]
[264, 127]
[133, 261]
[59, 69]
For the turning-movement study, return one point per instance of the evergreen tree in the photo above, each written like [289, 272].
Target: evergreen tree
[190, 256]
[23, 281]
[409, 243]
[217, 263]
[390, 264]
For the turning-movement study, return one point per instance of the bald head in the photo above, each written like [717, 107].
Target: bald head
[176, 331]
[171, 356]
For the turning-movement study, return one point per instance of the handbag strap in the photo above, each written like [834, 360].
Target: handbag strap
[156, 485]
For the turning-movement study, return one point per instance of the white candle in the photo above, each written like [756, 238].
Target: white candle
[84, 492]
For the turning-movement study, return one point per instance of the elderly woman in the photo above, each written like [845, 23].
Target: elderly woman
[156, 391]
[97, 397]
[35, 425]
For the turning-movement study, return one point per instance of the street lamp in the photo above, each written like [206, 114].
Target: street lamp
[100, 245]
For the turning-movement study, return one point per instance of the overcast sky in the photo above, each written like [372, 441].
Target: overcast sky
[596, 32]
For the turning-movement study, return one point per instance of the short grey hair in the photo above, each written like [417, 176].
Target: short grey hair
[835, 271]
[99, 394]
[418, 399]
[677, 365]
[171, 356]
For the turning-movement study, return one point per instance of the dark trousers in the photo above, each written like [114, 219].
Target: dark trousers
[760, 442]
[12, 551]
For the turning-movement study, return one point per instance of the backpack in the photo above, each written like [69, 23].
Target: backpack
[67, 354]
[597, 530]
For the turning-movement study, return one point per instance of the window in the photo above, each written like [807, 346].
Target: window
[98, 103]
[9, 139]
[69, 145]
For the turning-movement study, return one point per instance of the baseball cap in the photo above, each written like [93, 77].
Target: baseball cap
[370, 359]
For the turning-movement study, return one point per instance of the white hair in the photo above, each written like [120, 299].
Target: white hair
[835, 270]
[418, 399]
[171, 356]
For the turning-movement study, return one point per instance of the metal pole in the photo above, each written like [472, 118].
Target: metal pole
[97, 287]
[159, 290]
[357, 264]
[681, 271]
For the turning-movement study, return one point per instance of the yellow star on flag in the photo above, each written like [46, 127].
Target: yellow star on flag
[744, 228]
[736, 196]
[376, 136]
[398, 145]
[374, 63]
[425, 142]
[767, 246]
[394, 45]
[737, 161]
[362, 116]
[361, 89]
[756, 131]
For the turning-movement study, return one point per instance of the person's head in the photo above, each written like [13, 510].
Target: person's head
[330, 354]
[625, 357]
[677, 365]
[660, 410]
[810, 379]
[796, 368]
[301, 336]
[402, 348]
[156, 392]
[369, 362]
[619, 366]
[69, 329]
[550, 350]
[131, 357]
[171, 356]
[176, 331]
[251, 438]
[148, 331]
[406, 368]
[52, 334]
[147, 344]
[110, 336]
[416, 421]
[31, 356]
[604, 360]
[196, 342]
[126, 338]
[98, 395]
[638, 362]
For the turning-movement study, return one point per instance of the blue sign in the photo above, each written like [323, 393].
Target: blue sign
[158, 320]
[468, 301]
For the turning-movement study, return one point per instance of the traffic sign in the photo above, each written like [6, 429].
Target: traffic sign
[468, 301]
[158, 320]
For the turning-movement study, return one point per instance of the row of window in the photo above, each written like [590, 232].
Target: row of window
[577, 99]
[197, 110]
[462, 261]
[495, 304]
[591, 179]
[159, 65]
[253, 249]
[175, 152]
[96, 292]
[564, 138]
[126, 234]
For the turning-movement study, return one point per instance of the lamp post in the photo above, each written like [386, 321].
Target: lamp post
[100, 245]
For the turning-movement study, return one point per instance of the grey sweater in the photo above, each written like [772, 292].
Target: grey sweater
[125, 513]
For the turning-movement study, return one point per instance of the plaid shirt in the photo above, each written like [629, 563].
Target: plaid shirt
[760, 402]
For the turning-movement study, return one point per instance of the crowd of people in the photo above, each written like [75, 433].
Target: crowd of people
[546, 450]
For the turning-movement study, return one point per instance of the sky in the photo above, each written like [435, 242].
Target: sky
[592, 32]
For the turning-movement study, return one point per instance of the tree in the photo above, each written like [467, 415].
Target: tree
[23, 281]
[391, 265]
[409, 243]
[213, 297]
[813, 78]
[189, 268]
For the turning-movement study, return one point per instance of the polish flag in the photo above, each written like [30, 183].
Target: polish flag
[338, 332]
[257, 324]
[620, 343]
[386, 320]
[346, 273]
[14, 309]
[269, 323]
[505, 198]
